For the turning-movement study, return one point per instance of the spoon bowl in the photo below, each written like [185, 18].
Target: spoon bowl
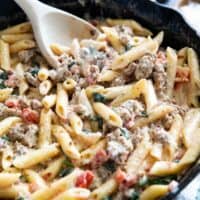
[51, 25]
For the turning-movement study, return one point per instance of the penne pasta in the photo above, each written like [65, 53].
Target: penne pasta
[45, 128]
[7, 123]
[57, 187]
[8, 179]
[137, 28]
[35, 179]
[49, 101]
[43, 74]
[5, 55]
[113, 37]
[74, 193]
[12, 38]
[23, 85]
[121, 61]
[65, 142]
[5, 93]
[7, 158]
[61, 102]
[20, 28]
[108, 114]
[45, 87]
[22, 45]
[106, 189]
[194, 77]
[53, 169]
[36, 156]
[154, 192]
[171, 69]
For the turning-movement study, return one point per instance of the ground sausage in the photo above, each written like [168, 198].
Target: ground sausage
[145, 66]
[32, 80]
[119, 145]
[26, 55]
[25, 134]
[7, 112]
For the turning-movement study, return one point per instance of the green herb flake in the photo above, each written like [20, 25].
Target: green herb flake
[65, 172]
[67, 163]
[98, 97]
[144, 114]
[107, 198]
[161, 180]
[34, 71]
[70, 64]
[5, 137]
[4, 75]
[2, 86]
[128, 47]
[125, 133]
[110, 165]
[135, 195]
[23, 178]
[20, 198]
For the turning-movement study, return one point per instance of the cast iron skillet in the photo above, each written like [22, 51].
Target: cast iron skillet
[154, 16]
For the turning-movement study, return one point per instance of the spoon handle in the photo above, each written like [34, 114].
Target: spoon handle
[32, 8]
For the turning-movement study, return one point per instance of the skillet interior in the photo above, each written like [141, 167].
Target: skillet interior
[177, 33]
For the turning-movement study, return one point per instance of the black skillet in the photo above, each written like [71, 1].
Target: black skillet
[153, 16]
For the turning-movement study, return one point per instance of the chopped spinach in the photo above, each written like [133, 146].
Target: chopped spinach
[110, 165]
[135, 195]
[23, 178]
[71, 63]
[159, 180]
[2, 86]
[67, 167]
[65, 172]
[99, 121]
[67, 163]
[128, 47]
[5, 137]
[34, 71]
[144, 114]
[162, 180]
[125, 133]
[20, 198]
[107, 198]
[3, 75]
[98, 97]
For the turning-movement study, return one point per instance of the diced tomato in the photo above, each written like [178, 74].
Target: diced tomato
[100, 157]
[120, 176]
[182, 75]
[85, 179]
[125, 180]
[12, 103]
[30, 116]
[33, 187]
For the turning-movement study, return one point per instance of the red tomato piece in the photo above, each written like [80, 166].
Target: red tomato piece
[100, 157]
[30, 116]
[120, 176]
[85, 179]
[12, 103]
